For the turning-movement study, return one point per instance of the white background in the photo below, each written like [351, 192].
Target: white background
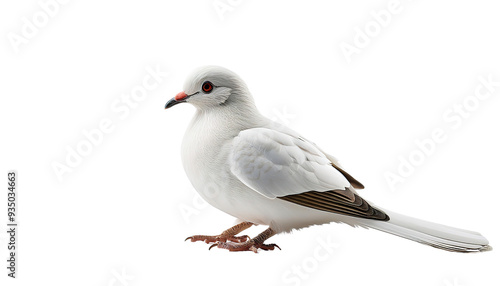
[120, 209]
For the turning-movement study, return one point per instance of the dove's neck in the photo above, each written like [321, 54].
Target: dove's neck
[211, 128]
[225, 122]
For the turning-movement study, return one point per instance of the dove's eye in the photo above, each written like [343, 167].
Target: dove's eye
[207, 87]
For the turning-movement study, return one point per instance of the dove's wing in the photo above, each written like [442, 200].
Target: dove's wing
[280, 165]
[334, 161]
[276, 164]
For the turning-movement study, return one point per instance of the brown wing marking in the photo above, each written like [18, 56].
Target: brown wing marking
[332, 201]
[355, 183]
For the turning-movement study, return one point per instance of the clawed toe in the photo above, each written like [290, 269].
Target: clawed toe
[269, 246]
[217, 238]
[245, 246]
[227, 235]
[205, 238]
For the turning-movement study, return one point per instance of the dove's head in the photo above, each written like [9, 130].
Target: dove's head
[212, 87]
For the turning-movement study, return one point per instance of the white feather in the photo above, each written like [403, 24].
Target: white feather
[433, 234]
[276, 164]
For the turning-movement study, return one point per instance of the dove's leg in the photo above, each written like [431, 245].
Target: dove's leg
[228, 234]
[253, 244]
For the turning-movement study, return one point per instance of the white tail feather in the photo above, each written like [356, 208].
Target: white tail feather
[433, 234]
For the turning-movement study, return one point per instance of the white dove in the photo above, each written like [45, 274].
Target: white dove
[264, 173]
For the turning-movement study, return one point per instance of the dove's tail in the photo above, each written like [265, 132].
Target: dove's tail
[433, 234]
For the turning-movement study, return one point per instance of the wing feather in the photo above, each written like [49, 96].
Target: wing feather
[276, 164]
[332, 202]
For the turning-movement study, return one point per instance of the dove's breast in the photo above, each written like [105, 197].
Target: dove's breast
[205, 150]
